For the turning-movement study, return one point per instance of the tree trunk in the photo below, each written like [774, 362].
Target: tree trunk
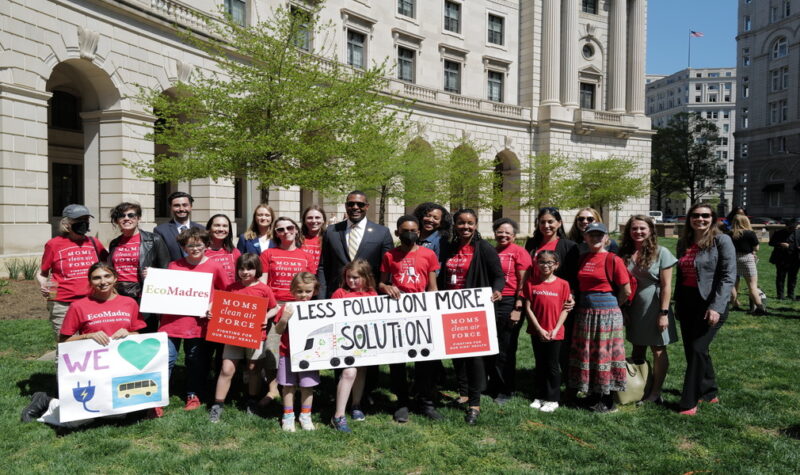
[382, 207]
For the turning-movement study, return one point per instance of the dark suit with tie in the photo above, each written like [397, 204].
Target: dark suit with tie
[169, 233]
[375, 241]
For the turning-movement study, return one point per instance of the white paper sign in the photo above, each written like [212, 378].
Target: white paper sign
[176, 292]
[128, 375]
[365, 331]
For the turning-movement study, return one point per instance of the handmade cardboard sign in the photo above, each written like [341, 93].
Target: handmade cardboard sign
[128, 375]
[236, 319]
[365, 331]
[176, 292]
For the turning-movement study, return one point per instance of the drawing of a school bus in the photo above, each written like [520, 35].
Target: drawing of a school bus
[144, 387]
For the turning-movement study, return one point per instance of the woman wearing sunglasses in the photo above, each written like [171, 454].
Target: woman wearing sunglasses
[583, 219]
[132, 252]
[706, 273]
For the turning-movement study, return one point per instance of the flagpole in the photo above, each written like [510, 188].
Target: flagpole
[689, 58]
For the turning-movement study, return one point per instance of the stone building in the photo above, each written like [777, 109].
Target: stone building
[768, 111]
[517, 77]
[709, 92]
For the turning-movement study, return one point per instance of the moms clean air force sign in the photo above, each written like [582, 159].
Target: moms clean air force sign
[365, 331]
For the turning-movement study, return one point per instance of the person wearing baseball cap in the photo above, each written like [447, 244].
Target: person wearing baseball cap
[66, 262]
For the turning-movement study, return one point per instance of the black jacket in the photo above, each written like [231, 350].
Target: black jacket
[153, 252]
[484, 270]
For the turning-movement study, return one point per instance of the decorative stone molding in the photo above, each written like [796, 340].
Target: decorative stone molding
[184, 70]
[87, 43]
[421, 129]
[508, 143]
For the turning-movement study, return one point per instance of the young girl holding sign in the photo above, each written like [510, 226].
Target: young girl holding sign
[304, 285]
[248, 271]
[357, 281]
[545, 296]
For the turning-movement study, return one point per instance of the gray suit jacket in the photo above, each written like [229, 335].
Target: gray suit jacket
[169, 233]
[376, 241]
[716, 273]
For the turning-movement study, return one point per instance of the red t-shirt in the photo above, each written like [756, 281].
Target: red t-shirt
[312, 246]
[187, 326]
[513, 259]
[226, 260]
[550, 246]
[688, 270]
[125, 258]
[344, 293]
[259, 290]
[68, 263]
[547, 301]
[592, 274]
[280, 267]
[88, 315]
[457, 267]
[410, 271]
[284, 348]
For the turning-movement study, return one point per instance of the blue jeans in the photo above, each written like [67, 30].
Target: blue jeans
[195, 360]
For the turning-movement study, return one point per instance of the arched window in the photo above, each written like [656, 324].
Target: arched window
[780, 48]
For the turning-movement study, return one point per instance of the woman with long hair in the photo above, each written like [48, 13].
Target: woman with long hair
[258, 236]
[314, 222]
[706, 273]
[584, 218]
[221, 249]
[745, 242]
[650, 321]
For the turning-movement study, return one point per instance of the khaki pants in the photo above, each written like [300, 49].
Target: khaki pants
[57, 312]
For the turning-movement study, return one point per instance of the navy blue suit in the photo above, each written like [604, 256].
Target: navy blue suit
[169, 233]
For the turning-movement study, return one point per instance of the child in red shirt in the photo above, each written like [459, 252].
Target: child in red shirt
[545, 296]
[357, 281]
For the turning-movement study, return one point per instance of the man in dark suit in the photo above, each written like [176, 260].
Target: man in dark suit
[180, 204]
[356, 237]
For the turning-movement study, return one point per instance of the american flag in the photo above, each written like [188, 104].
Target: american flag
[696, 34]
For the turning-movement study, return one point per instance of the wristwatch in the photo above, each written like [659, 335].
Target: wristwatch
[663, 312]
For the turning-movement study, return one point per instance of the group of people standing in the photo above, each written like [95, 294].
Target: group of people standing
[581, 295]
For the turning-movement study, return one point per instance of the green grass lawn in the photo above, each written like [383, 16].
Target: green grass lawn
[754, 430]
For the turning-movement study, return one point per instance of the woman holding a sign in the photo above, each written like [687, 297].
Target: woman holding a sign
[469, 262]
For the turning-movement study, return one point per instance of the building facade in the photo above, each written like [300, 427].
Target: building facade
[768, 129]
[710, 93]
[518, 78]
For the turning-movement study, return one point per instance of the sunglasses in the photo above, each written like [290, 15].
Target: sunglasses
[588, 219]
[128, 215]
[287, 229]
[701, 215]
[354, 204]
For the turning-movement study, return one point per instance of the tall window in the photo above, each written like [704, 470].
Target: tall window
[589, 6]
[300, 23]
[452, 76]
[780, 48]
[406, 8]
[406, 64]
[496, 29]
[747, 23]
[787, 8]
[237, 9]
[356, 48]
[495, 86]
[452, 16]
[779, 78]
[587, 95]
[745, 118]
[745, 56]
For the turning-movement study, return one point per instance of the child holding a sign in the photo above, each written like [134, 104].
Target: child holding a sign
[545, 296]
[410, 268]
[304, 285]
[357, 281]
[248, 272]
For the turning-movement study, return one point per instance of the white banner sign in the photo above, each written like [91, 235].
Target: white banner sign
[365, 331]
[128, 375]
[176, 292]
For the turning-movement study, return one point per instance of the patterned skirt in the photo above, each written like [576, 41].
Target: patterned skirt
[746, 265]
[597, 354]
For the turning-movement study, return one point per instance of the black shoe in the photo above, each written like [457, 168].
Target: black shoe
[39, 403]
[401, 414]
[502, 399]
[471, 417]
[431, 413]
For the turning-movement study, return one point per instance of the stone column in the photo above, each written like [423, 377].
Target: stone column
[636, 53]
[569, 53]
[617, 56]
[551, 33]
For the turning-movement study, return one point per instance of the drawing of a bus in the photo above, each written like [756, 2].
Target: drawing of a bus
[144, 387]
[325, 344]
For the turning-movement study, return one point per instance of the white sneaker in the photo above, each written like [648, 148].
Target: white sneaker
[305, 422]
[536, 404]
[287, 424]
[549, 406]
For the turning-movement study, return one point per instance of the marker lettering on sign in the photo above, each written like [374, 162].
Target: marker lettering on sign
[93, 355]
[459, 300]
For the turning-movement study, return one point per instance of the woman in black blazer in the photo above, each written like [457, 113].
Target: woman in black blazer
[706, 273]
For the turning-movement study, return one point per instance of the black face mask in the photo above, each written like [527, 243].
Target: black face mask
[80, 227]
[408, 237]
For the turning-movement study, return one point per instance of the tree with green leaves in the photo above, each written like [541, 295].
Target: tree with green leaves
[684, 157]
[602, 183]
[275, 110]
[544, 186]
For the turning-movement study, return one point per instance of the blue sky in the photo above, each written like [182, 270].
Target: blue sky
[668, 25]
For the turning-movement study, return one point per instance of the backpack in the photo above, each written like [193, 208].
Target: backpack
[610, 264]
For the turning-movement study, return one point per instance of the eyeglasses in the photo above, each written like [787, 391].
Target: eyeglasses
[354, 204]
[194, 246]
[588, 219]
[287, 229]
[128, 215]
[701, 215]
[547, 263]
